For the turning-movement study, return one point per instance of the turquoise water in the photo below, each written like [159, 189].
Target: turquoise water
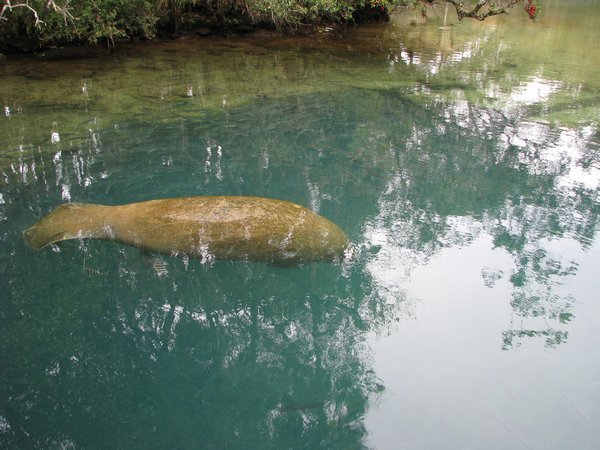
[467, 318]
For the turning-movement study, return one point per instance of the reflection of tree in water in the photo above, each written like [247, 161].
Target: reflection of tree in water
[531, 187]
[287, 353]
[231, 355]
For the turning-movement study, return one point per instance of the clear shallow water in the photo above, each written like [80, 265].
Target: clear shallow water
[467, 177]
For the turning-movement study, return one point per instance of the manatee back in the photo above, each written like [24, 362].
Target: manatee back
[229, 227]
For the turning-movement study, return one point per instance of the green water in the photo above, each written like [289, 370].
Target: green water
[462, 161]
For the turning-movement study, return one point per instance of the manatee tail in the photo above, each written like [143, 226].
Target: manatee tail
[68, 221]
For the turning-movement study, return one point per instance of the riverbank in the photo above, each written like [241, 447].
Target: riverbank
[74, 51]
[39, 27]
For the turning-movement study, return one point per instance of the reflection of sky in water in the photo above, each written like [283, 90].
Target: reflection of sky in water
[446, 373]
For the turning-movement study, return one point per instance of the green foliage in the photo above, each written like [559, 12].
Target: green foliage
[110, 19]
[76, 21]
[291, 14]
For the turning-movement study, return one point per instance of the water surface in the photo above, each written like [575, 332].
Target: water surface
[462, 161]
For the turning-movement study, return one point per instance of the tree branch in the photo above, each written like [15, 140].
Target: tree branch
[482, 9]
[8, 6]
[63, 10]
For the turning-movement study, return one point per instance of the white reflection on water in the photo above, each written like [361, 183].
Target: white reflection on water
[4, 425]
[208, 162]
[536, 90]
[446, 56]
[177, 311]
[565, 153]
[570, 150]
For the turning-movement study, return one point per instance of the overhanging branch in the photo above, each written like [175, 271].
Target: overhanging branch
[63, 10]
[8, 6]
[482, 9]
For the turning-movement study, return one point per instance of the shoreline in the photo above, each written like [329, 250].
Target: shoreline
[78, 50]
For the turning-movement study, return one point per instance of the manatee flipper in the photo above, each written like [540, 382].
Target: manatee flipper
[68, 221]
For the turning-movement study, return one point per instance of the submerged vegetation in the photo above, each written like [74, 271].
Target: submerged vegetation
[29, 25]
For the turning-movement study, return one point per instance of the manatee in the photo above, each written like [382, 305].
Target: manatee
[234, 228]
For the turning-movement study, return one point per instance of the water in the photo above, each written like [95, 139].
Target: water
[462, 161]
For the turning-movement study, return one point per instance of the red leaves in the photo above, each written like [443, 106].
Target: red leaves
[531, 9]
